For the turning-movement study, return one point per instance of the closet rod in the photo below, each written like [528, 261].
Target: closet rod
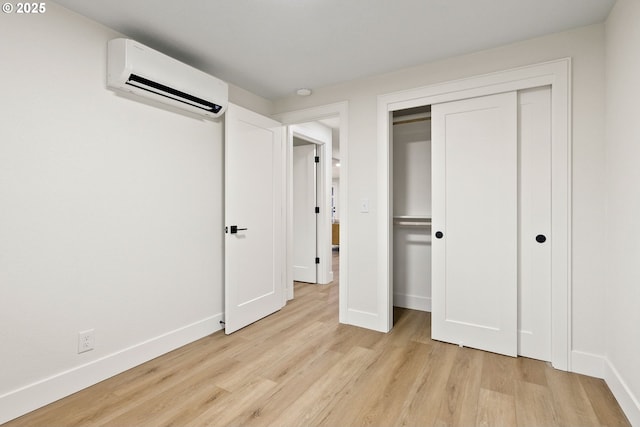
[404, 122]
[412, 222]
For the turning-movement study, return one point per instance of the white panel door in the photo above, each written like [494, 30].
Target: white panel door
[304, 216]
[254, 260]
[534, 293]
[475, 230]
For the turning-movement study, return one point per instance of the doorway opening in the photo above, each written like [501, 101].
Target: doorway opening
[315, 163]
[334, 118]
[306, 210]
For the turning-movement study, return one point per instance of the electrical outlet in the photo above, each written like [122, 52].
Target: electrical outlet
[86, 341]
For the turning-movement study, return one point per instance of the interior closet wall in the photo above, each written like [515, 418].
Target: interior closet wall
[412, 209]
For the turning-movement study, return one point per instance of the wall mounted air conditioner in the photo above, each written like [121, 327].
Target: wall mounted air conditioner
[136, 68]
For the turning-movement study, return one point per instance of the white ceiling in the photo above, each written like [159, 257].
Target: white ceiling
[273, 47]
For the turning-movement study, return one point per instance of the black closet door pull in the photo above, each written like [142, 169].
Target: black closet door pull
[541, 238]
[439, 235]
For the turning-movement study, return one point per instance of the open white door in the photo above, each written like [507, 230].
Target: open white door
[475, 230]
[254, 212]
[304, 214]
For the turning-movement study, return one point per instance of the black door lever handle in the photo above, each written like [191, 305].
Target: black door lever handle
[235, 229]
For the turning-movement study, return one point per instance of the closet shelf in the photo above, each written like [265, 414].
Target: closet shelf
[412, 221]
[412, 217]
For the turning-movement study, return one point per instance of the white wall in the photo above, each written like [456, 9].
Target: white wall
[111, 215]
[586, 47]
[246, 99]
[623, 205]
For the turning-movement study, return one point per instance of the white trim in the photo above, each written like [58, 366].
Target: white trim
[628, 401]
[288, 216]
[385, 218]
[413, 302]
[309, 115]
[285, 225]
[33, 396]
[363, 319]
[558, 75]
[587, 363]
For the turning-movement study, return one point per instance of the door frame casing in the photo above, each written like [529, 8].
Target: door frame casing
[557, 74]
[312, 114]
[321, 138]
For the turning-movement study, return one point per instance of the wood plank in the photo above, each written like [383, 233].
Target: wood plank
[428, 391]
[269, 409]
[495, 409]
[532, 371]
[570, 400]
[379, 394]
[318, 400]
[300, 367]
[267, 355]
[228, 406]
[534, 405]
[460, 402]
[499, 373]
[602, 401]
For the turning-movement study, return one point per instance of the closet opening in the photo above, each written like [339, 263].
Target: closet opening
[493, 138]
[486, 183]
[411, 177]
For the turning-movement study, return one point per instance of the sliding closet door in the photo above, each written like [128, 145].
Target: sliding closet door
[475, 229]
[534, 293]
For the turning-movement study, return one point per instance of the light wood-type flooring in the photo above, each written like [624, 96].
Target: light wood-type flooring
[299, 367]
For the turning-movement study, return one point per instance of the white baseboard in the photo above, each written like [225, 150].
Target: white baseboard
[587, 364]
[412, 302]
[627, 400]
[33, 396]
[363, 319]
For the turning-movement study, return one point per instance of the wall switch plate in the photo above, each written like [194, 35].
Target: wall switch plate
[86, 341]
[364, 205]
